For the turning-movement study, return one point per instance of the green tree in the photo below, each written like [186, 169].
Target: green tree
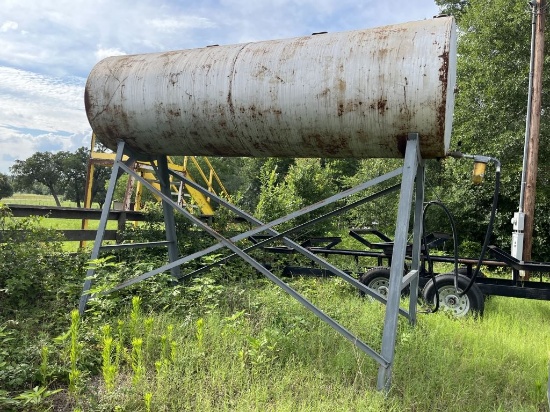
[340, 170]
[253, 178]
[99, 189]
[306, 182]
[6, 189]
[381, 213]
[489, 118]
[73, 169]
[41, 167]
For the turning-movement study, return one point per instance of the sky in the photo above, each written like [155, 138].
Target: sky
[48, 48]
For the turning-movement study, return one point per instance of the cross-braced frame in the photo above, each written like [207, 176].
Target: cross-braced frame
[412, 171]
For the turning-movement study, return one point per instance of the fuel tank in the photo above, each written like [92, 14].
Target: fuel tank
[354, 94]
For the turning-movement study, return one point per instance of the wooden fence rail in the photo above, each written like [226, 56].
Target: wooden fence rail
[79, 213]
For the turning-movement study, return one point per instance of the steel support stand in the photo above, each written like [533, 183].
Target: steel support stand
[412, 170]
[389, 335]
[169, 220]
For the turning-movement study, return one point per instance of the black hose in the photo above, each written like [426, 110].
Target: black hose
[427, 249]
[489, 227]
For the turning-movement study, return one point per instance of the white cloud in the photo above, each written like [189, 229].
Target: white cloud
[174, 24]
[8, 25]
[35, 101]
[101, 52]
[61, 36]
[14, 144]
[39, 113]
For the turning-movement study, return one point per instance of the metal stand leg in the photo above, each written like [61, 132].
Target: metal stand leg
[417, 241]
[398, 260]
[102, 226]
[168, 210]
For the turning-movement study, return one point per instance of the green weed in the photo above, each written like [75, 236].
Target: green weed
[75, 375]
[36, 396]
[108, 367]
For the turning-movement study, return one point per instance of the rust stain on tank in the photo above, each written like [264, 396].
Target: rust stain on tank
[401, 143]
[333, 146]
[444, 69]
[381, 105]
[87, 102]
[382, 52]
[174, 78]
[175, 113]
[341, 85]
[230, 101]
[219, 149]
[441, 109]
[324, 93]
[348, 107]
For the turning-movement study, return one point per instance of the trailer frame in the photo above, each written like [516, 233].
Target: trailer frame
[382, 251]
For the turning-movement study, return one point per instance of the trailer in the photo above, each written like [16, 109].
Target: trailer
[431, 282]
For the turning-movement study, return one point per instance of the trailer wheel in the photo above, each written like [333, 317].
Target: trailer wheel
[472, 303]
[378, 279]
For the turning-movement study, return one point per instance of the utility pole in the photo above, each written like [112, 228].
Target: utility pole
[533, 147]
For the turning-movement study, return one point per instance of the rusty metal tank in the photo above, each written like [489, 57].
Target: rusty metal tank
[354, 94]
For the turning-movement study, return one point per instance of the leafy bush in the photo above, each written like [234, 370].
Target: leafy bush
[38, 285]
[33, 265]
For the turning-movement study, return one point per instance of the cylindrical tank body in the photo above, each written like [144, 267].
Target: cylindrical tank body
[350, 94]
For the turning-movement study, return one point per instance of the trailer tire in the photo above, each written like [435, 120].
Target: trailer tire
[378, 279]
[472, 303]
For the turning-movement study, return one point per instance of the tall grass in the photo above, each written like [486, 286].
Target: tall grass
[259, 350]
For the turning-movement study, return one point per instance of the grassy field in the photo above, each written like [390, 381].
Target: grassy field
[38, 200]
[55, 223]
[227, 341]
[252, 348]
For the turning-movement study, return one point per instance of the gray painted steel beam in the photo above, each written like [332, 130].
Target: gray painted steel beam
[102, 226]
[256, 230]
[398, 260]
[135, 245]
[168, 212]
[418, 230]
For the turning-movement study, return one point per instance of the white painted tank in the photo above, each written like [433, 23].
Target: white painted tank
[350, 94]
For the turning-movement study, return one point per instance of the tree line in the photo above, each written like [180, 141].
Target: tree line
[57, 174]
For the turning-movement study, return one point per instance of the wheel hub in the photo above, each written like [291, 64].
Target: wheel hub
[381, 285]
[450, 299]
